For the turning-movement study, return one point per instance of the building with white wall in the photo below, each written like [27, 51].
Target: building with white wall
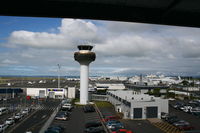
[71, 92]
[55, 93]
[191, 88]
[36, 92]
[137, 106]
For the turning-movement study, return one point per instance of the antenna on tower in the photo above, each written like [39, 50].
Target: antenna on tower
[58, 76]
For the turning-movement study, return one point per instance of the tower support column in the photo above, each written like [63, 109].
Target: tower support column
[84, 75]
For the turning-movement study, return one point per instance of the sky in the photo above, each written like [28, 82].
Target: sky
[34, 46]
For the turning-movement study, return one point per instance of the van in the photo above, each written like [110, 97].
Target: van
[3, 110]
[67, 106]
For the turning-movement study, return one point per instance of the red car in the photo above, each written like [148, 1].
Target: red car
[185, 127]
[108, 118]
[123, 131]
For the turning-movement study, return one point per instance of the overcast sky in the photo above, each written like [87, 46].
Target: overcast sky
[34, 46]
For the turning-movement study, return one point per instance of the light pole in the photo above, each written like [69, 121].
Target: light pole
[58, 76]
[6, 98]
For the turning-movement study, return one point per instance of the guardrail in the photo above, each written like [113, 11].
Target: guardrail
[101, 118]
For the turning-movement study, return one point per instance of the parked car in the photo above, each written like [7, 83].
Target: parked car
[195, 109]
[164, 115]
[123, 131]
[10, 121]
[113, 124]
[52, 131]
[93, 124]
[94, 130]
[181, 123]
[67, 106]
[25, 111]
[108, 118]
[186, 108]
[185, 127]
[28, 131]
[57, 128]
[66, 113]
[196, 114]
[17, 116]
[88, 108]
[3, 127]
[117, 126]
[61, 117]
[172, 119]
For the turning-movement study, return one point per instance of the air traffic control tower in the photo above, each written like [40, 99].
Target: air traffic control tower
[84, 56]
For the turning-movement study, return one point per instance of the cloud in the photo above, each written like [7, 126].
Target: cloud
[39, 39]
[7, 61]
[129, 45]
[121, 48]
[72, 32]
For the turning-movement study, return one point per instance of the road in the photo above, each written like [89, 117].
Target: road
[36, 121]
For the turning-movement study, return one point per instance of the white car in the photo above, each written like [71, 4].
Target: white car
[3, 127]
[18, 116]
[67, 106]
[26, 111]
[10, 121]
[28, 132]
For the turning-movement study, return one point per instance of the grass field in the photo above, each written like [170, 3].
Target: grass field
[103, 104]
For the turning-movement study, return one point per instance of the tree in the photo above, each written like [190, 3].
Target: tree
[185, 82]
[156, 91]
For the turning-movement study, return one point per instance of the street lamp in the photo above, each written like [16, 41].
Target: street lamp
[58, 76]
[6, 98]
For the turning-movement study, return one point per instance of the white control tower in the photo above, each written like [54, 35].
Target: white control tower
[84, 56]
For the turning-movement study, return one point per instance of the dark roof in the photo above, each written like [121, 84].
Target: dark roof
[170, 12]
[133, 86]
[85, 47]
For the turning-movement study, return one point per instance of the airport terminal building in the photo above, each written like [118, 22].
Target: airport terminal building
[135, 105]
[55, 93]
